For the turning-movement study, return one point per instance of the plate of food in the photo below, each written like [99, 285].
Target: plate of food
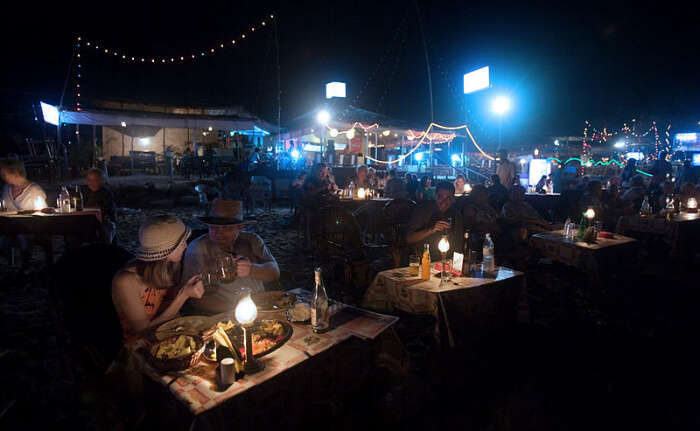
[274, 300]
[188, 325]
[176, 353]
[268, 336]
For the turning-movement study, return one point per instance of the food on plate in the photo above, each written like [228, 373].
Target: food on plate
[178, 347]
[269, 328]
[301, 312]
[226, 325]
[273, 300]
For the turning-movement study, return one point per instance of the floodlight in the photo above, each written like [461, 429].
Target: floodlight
[500, 105]
[323, 117]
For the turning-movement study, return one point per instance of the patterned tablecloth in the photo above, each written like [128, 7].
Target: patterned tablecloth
[464, 305]
[681, 232]
[593, 258]
[196, 386]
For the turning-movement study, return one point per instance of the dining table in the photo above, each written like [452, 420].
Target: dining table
[463, 308]
[681, 232]
[308, 366]
[77, 227]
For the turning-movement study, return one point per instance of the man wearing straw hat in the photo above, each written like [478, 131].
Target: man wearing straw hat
[254, 264]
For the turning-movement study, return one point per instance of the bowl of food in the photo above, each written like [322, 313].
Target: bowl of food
[176, 353]
[268, 335]
[274, 300]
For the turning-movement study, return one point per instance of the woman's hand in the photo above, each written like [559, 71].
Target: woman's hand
[194, 287]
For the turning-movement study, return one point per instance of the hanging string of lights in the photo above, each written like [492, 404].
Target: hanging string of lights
[590, 134]
[123, 55]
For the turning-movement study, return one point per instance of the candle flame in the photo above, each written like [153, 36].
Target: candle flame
[692, 203]
[361, 193]
[39, 203]
[246, 311]
[444, 245]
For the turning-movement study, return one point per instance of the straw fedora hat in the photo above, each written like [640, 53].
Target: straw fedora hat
[224, 213]
[159, 236]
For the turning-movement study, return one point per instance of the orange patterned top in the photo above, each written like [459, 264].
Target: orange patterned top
[151, 298]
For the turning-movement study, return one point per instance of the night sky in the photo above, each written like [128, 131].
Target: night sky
[560, 65]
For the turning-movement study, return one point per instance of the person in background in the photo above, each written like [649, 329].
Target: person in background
[96, 195]
[498, 194]
[614, 206]
[19, 193]
[479, 217]
[663, 193]
[629, 171]
[688, 191]
[139, 290]
[425, 193]
[254, 159]
[460, 181]
[635, 193]
[372, 177]
[255, 264]
[360, 179]
[412, 186]
[592, 198]
[688, 173]
[297, 191]
[395, 188]
[517, 210]
[661, 170]
[583, 185]
[506, 170]
[541, 185]
[316, 186]
[431, 219]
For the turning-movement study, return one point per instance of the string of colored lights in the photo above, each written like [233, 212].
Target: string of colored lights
[590, 163]
[420, 142]
[121, 54]
[78, 75]
[627, 132]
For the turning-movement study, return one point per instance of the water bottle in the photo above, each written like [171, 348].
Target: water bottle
[319, 305]
[645, 208]
[488, 264]
[351, 187]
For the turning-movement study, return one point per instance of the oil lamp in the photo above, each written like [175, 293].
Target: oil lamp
[444, 247]
[39, 204]
[245, 313]
[360, 193]
[590, 214]
[692, 205]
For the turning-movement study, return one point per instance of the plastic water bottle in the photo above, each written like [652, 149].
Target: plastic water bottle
[646, 207]
[488, 264]
[319, 305]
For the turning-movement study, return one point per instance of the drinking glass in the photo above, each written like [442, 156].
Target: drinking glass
[597, 227]
[209, 278]
[226, 268]
[474, 263]
[413, 264]
[570, 231]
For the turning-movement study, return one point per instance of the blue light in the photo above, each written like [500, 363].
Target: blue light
[418, 157]
[231, 133]
[295, 154]
[456, 158]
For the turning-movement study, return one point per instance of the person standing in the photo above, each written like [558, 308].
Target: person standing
[506, 170]
[96, 195]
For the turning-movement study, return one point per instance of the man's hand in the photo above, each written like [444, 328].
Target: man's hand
[441, 226]
[194, 287]
[243, 267]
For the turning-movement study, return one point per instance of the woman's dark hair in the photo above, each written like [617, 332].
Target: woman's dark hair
[13, 166]
[424, 181]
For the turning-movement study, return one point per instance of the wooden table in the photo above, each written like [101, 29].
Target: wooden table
[464, 308]
[77, 227]
[595, 259]
[197, 390]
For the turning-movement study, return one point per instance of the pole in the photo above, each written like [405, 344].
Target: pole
[376, 146]
[279, 87]
[427, 61]
[500, 121]
[132, 155]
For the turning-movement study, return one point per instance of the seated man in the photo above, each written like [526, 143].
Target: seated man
[593, 198]
[517, 210]
[98, 196]
[480, 218]
[431, 220]
[254, 262]
[636, 192]
[316, 186]
[361, 178]
[395, 188]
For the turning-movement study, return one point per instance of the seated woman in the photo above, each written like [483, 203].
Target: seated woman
[19, 193]
[139, 289]
[425, 193]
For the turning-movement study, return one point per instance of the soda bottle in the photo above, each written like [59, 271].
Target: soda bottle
[425, 263]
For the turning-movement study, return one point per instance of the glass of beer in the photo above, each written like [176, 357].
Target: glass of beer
[413, 264]
[226, 268]
[210, 278]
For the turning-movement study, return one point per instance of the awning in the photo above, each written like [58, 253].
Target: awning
[245, 126]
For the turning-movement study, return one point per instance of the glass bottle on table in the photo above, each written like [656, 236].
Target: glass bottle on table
[319, 305]
[488, 262]
[645, 209]
[78, 198]
[64, 200]
[466, 262]
[425, 263]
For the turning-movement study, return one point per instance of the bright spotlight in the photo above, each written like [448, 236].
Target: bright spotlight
[210, 128]
[556, 142]
[620, 144]
[418, 157]
[350, 133]
[323, 117]
[295, 154]
[500, 105]
[537, 152]
[334, 133]
[456, 158]
[123, 124]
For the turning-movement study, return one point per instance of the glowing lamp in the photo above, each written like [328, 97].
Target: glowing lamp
[39, 203]
[692, 206]
[418, 157]
[537, 152]
[455, 158]
[620, 144]
[245, 313]
[350, 133]
[323, 117]
[590, 214]
[361, 193]
[411, 137]
[444, 245]
[467, 188]
[523, 161]
[334, 132]
[123, 124]
[210, 128]
[500, 105]
[386, 132]
[295, 154]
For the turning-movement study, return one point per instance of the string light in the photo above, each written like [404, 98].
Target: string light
[116, 52]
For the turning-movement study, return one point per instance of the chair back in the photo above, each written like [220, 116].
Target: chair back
[336, 230]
